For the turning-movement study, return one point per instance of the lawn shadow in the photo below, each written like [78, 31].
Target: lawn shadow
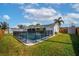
[18, 40]
[75, 43]
[59, 42]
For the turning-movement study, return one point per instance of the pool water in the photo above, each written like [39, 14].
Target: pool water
[30, 37]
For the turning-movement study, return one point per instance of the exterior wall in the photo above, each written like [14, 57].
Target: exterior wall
[48, 28]
[55, 29]
[49, 31]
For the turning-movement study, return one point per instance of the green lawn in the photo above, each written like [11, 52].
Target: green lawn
[61, 44]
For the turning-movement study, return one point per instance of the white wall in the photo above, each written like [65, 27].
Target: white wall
[56, 28]
[48, 28]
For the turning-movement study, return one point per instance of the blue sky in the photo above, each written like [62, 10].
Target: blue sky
[43, 13]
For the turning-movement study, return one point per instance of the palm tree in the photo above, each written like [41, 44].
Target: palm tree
[57, 24]
[59, 21]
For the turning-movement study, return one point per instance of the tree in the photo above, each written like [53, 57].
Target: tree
[57, 24]
[3, 25]
[0, 25]
[59, 21]
[37, 24]
[21, 26]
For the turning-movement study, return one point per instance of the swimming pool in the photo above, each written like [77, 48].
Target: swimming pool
[29, 37]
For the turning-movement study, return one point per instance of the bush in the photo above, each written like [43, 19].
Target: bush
[63, 30]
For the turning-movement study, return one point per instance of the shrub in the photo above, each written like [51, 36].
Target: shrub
[63, 30]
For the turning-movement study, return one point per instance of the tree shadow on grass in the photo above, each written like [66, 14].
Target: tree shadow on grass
[59, 42]
[75, 43]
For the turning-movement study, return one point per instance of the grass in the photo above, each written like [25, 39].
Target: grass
[59, 45]
[75, 43]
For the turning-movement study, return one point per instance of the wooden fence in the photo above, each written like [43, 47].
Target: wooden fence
[1, 33]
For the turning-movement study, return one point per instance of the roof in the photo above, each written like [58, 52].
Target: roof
[17, 29]
[33, 26]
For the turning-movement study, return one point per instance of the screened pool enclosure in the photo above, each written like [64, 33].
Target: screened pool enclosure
[32, 35]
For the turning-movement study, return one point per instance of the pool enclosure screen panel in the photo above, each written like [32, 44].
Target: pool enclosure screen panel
[31, 36]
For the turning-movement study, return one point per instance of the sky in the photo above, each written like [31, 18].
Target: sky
[43, 13]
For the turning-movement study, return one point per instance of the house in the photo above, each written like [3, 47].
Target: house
[38, 29]
[49, 29]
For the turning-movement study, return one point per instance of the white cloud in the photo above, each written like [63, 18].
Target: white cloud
[20, 3]
[15, 27]
[73, 21]
[27, 24]
[28, 6]
[6, 17]
[71, 17]
[36, 13]
[75, 6]
[34, 23]
[41, 14]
